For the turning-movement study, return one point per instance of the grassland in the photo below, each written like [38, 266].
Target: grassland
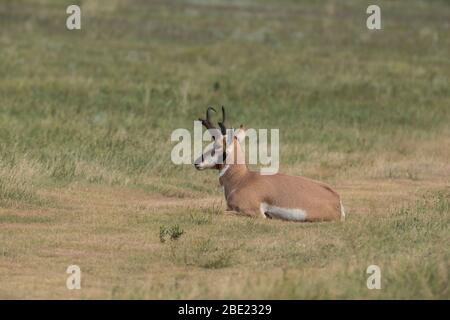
[85, 170]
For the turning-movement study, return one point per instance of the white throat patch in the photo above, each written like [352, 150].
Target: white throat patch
[223, 170]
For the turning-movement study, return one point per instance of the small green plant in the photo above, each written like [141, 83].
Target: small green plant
[174, 232]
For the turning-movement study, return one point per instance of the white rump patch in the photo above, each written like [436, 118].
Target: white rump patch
[282, 213]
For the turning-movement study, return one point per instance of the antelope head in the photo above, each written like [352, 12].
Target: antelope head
[218, 152]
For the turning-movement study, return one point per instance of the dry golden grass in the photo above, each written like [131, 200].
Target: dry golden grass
[85, 170]
[112, 233]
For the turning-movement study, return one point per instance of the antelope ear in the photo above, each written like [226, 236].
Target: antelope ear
[240, 134]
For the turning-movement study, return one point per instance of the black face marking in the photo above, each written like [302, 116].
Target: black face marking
[224, 152]
[268, 216]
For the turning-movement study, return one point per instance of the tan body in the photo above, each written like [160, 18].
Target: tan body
[246, 190]
[276, 196]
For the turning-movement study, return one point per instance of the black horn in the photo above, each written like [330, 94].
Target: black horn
[207, 123]
[223, 124]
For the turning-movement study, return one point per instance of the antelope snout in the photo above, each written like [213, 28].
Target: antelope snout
[197, 163]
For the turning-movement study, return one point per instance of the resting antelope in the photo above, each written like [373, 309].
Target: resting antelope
[276, 196]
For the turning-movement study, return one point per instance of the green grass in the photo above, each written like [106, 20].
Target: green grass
[85, 124]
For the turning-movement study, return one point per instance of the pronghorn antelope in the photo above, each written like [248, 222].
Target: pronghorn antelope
[269, 196]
